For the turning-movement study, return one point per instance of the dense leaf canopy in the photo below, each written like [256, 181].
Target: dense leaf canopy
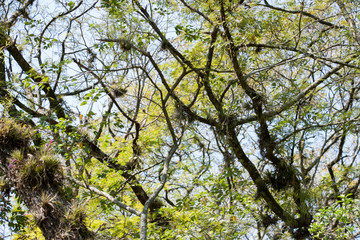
[179, 119]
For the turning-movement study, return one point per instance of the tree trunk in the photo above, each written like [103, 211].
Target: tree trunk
[38, 180]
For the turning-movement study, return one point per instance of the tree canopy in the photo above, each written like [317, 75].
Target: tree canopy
[179, 119]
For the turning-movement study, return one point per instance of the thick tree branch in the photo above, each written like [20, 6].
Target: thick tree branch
[42, 81]
[257, 179]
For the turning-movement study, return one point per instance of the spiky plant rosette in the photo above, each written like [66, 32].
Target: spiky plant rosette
[76, 216]
[48, 205]
[36, 171]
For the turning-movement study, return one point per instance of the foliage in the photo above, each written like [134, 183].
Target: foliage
[337, 221]
[180, 119]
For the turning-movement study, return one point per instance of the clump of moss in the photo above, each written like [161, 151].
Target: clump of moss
[117, 91]
[14, 135]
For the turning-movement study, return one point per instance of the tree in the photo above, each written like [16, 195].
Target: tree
[180, 119]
